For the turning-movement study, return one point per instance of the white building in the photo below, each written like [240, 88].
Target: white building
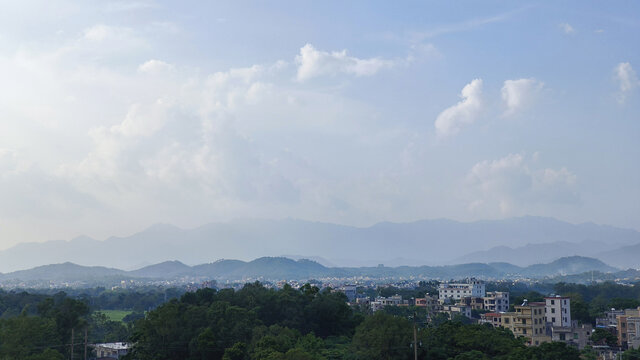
[558, 311]
[496, 301]
[111, 350]
[457, 291]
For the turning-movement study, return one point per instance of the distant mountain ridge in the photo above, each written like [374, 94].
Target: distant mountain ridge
[280, 268]
[437, 242]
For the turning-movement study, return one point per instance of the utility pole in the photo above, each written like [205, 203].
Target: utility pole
[415, 337]
[85, 343]
[71, 343]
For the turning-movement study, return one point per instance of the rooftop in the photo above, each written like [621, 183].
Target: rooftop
[114, 346]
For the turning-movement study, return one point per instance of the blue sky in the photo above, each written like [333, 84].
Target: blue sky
[119, 115]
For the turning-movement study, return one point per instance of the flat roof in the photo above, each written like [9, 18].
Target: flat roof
[114, 346]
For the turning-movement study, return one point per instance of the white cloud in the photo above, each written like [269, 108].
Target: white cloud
[125, 6]
[464, 112]
[627, 80]
[101, 32]
[567, 28]
[313, 63]
[519, 94]
[154, 66]
[514, 185]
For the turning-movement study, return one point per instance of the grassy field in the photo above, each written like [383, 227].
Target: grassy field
[115, 315]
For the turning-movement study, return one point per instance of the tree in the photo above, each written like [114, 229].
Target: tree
[237, 352]
[631, 354]
[604, 337]
[382, 336]
[546, 351]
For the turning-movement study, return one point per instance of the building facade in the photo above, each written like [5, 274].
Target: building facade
[576, 335]
[496, 301]
[558, 311]
[528, 320]
[457, 291]
[111, 350]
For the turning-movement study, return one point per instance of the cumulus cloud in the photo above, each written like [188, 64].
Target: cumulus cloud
[313, 63]
[464, 112]
[514, 184]
[567, 28]
[518, 94]
[627, 80]
[29, 192]
[154, 66]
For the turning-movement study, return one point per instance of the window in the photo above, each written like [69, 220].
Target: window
[524, 331]
[524, 321]
[553, 319]
[553, 310]
[553, 302]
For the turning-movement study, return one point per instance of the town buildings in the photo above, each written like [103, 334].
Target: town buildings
[558, 311]
[380, 302]
[496, 301]
[350, 291]
[528, 320]
[457, 291]
[628, 328]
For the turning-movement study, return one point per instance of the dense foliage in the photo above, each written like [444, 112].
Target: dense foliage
[260, 323]
[44, 324]
[255, 320]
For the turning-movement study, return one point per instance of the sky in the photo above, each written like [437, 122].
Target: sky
[116, 115]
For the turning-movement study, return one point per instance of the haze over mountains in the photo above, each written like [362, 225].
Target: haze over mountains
[520, 241]
[280, 268]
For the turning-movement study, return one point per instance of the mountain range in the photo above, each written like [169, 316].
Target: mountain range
[279, 268]
[520, 241]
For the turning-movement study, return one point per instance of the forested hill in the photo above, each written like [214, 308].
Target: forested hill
[279, 268]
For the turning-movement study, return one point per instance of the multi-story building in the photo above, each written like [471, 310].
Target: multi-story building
[350, 291]
[610, 318]
[475, 303]
[576, 335]
[456, 291]
[494, 319]
[628, 326]
[558, 311]
[458, 309]
[528, 320]
[496, 301]
[429, 302]
[380, 302]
